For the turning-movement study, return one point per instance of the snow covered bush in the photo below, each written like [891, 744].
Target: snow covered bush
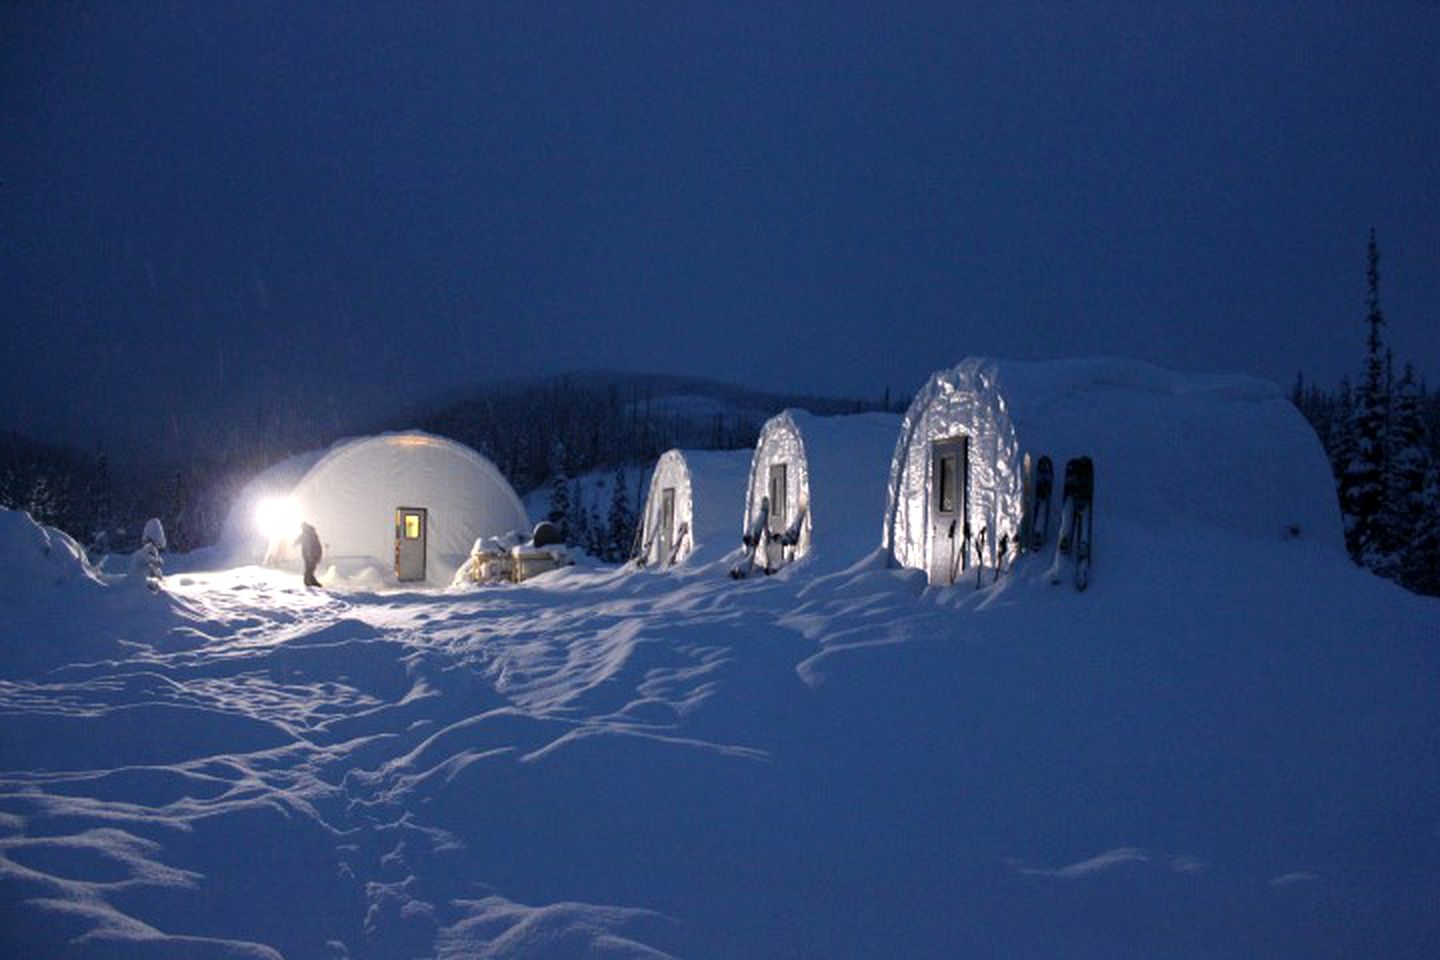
[36, 557]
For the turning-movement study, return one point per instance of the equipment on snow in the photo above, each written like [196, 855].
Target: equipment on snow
[1044, 483]
[1076, 520]
[959, 558]
[680, 536]
[980, 557]
[640, 546]
[754, 539]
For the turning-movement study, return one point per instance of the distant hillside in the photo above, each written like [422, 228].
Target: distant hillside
[587, 420]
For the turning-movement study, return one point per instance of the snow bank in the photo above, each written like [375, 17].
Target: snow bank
[1170, 450]
[38, 561]
[56, 608]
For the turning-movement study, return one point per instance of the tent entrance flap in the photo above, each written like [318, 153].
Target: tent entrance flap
[949, 516]
[779, 515]
[411, 525]
[667, 524]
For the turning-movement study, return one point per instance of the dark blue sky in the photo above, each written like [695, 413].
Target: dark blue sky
[205, 205]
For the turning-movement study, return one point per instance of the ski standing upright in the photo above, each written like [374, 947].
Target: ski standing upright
[1044, 483]
[1076, 520]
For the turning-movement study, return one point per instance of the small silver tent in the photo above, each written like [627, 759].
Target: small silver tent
[817, 486]
[1226, 451]
[690, 510]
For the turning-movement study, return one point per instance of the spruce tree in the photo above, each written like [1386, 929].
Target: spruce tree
[621, 532]
[1410, 482]
[1362, 485]
[579, 519]
[1420, 563]
[102, 516]
[45, 502]
[559, 491]
[1342, 440]
[594, 533]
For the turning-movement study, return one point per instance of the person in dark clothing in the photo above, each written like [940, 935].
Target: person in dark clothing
[309, 544]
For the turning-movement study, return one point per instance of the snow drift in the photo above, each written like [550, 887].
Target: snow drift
[56, 608]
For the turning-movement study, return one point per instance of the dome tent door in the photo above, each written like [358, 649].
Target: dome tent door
[410, 536]
[779, 517]
[667, 525]
[949, 518]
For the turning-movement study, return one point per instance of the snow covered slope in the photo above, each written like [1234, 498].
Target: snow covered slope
[1226, 748]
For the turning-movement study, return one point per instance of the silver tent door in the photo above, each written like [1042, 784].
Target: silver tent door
[667, 524]
[779, 516]
[949, 495]
[410, 532]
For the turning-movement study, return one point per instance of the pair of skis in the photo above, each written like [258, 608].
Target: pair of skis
[1077, 517]
[754, 540]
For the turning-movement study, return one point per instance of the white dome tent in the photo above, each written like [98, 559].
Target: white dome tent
[690, 509]
[806, 465]
[1229, 452]
[410, 504]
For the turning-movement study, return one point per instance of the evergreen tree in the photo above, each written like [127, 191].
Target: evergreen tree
[620, 534]
[1362, 485]
[1342, 437]
[559, 491]
[45, 503]
[1420, 564]
[102, 512]
[594, 532]
[1410, 482]
[582, 533]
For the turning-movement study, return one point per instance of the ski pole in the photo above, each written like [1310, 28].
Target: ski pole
[979, 557]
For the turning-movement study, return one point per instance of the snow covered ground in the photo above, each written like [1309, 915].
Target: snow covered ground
[1225, 748]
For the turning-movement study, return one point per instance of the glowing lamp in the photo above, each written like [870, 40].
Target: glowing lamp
[278, 519]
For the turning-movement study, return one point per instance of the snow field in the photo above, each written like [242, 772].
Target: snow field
[1229, 746]
[1222, 749]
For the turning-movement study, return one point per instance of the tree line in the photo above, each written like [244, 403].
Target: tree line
[535, 431]
[1382, 435]
[105, 508]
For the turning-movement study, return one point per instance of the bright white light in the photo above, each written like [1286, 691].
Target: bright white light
[278, 519]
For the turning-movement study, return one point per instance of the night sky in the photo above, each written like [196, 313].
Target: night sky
[211, 209]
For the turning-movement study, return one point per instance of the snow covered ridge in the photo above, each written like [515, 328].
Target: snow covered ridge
[1170, 450]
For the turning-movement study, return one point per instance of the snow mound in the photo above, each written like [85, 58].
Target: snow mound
[39, 559]
[56, 608]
